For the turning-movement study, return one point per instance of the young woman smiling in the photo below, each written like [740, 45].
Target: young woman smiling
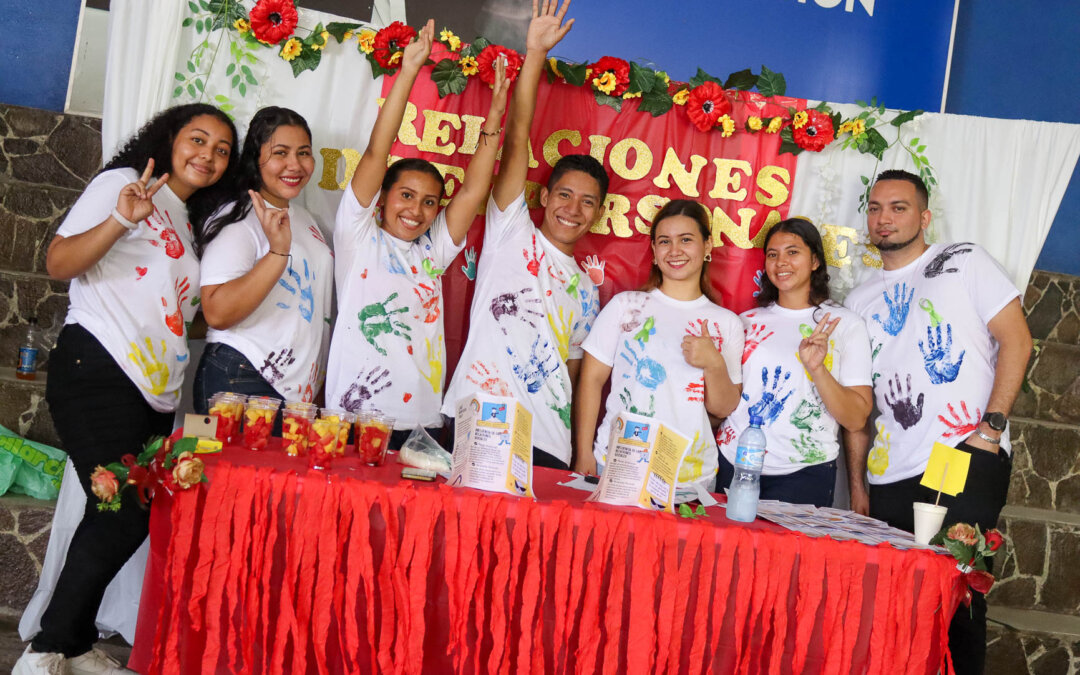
[807, 365]
[670, 352]
[267, 273]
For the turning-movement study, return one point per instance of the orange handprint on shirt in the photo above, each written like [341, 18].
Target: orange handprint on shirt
[175, 320]
[488, 379]
[429, 297]
[174, 248]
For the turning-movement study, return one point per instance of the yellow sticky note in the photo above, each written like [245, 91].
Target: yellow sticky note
[950, 463]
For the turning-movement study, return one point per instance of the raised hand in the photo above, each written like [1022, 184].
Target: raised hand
[936, 266]
[700, 351]
[899, 306]
[815, 347]
[937, 355]
[416, 52]
[547, 27]
[594, 267]
[135, 201]
[500, 88]
[906, 413]
[275, 223]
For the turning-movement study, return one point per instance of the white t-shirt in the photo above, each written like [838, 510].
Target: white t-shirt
[799, 431]
[388, 352]
[532, 308]
[139, 298]
[640, 336]
[933, 355]
[288, 334]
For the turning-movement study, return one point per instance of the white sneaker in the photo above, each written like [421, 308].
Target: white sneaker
[96, 662]
[44, 663]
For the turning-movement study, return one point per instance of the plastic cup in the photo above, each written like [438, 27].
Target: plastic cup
[228, 408]
[322, 442]
[295, 427]
[259, 421]
[345, 421]
[928, 520]
[373, 437]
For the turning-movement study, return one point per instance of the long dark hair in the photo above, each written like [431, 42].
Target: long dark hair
[819, 278]
[412, 164]
[155, 141]
[691, 209]
[211, 218]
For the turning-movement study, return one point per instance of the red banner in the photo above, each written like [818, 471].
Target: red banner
[743, 180]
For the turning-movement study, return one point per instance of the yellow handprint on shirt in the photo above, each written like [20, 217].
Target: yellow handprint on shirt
[827, 361]
[694, 463]
[562, 332]
[878, 460]
[148, 364]
[435, 363]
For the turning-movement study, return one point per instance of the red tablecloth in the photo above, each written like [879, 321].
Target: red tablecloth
[274, 568]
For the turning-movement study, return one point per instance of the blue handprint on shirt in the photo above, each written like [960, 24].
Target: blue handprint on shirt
[937, 355]
[770, 405]
[307, 296]
[647, 372]
[590, 306]
[469, 268]
[899, 306]
[542, 362]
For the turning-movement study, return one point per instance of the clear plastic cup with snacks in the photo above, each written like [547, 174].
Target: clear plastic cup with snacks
[322, 442]
[345, 420]
[296, 419]
[228, 408]
[259, 419]
[373, 431]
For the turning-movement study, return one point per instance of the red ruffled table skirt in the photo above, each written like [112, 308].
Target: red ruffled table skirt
[272, 568]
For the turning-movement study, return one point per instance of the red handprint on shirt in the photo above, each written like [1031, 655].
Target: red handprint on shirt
[175, 320]
[174, 248]
[695, 391]
[694, 329]
[725, 436]
[487, 378]
[429, 302]
[754, 337]
[594, 267]
[958, 426]
[533, 263]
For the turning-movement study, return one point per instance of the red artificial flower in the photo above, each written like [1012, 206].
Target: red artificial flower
[618, 68]
[707, 104]
[485, 63]
[816, 133]
[390, 44]
[994, 540]
[273, 20]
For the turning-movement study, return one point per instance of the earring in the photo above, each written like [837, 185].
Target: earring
[708, 257]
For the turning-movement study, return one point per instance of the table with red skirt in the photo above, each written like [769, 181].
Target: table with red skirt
[272, 567]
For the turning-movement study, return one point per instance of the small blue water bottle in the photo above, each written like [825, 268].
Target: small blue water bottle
[746, 483]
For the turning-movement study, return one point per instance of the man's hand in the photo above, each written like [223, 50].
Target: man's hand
[860, 498]
[976, 442]
[417, 52]
[547, 27]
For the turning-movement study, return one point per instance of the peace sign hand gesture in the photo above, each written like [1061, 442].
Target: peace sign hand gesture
[417, 51]
[275, 224]
[815, 347]
[135, 201]
[547, 27]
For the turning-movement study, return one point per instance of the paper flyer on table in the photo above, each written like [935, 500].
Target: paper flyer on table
[642, 464]
[493, 445]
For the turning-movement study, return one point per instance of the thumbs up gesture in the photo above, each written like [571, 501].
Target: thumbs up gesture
[700, 350]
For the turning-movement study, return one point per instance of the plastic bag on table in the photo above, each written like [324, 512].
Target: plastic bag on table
[421, 450]
[28, 467]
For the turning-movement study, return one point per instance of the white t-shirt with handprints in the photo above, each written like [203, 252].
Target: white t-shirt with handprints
[287, 336]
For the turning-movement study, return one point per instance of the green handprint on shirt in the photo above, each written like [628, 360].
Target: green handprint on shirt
[376, 320]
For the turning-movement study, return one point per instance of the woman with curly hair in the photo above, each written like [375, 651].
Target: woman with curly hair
[267, 273]
[806, 368]
[115, 374]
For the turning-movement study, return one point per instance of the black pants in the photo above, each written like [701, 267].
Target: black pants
[979, 504]
[812, 484]
[223, 368]
[100, 415]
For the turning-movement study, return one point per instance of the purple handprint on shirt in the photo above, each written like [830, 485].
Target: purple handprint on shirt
[899, 306]
[937, 355]
[906, 413]
[770, 405]
[521, 305]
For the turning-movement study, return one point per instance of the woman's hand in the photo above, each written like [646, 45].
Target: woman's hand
[546, 28]
[275, 224]
[585, 464]
[701, 352]
[135, 201]
[814, 348]
[417, 52]
[499, 91]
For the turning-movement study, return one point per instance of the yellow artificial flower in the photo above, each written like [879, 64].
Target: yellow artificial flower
[348, 36]
[775, 124]
[754, 123]
[553, 63]
[468, 66]
[367, 41]
[242, 26]
[606, 82]
[727, 124]
[325, 35]
[636, 94]
[453, 41]
[395, 58]
[858, 127]
[800, 119]
[844, 127]
[681, 97]
[291, 49]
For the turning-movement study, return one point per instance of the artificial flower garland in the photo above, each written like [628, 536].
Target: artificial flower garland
[162, 463]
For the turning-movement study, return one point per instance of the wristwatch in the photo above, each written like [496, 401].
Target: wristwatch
[995, 420]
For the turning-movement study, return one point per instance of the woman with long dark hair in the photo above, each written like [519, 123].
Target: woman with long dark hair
[119, 362]
[267, 273]
[806, 363]
[670, 352]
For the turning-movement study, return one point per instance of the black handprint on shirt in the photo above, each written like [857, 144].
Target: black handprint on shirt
[364, 388]
[518, 304]
[936, 266]
[275, 363]
[906, 413]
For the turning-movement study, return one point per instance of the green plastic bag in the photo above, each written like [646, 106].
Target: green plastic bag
[28, 467]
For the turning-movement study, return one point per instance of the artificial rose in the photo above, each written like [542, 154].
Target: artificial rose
[994, 540]
[485, 63]
[390, 43]
[620, 75]
[979, 580]
[366, 40]
[707, 104]
[188, 470]
[963, 533]
[273, 20]
[816, 133]
[468, 66]
[291, 49]
[727, 126]
[103, 484]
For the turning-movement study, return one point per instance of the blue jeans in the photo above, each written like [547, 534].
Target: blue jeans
[222, 368]
[812, 484]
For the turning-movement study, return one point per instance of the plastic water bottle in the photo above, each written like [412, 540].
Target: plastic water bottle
[28, 351]
[746, 483]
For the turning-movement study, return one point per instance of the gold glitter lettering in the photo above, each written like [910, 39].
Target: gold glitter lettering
[643, 159]
[739, 233]
[435, 133]
[614, 218]
[835, 239]
[407, 132]
[648, 206]
[330, 157]
[598, 147]
[473, 124]
[728, 182]
[773, 182]
[674, 169]
[551, 144]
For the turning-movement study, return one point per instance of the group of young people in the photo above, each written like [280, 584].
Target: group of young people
[179, 219]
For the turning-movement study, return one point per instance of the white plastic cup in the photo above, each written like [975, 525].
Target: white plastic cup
[928, 520]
